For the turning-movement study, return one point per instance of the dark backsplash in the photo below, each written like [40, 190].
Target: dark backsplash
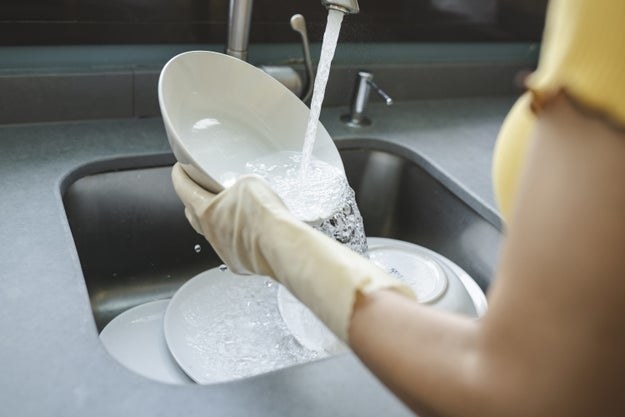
[76, 22]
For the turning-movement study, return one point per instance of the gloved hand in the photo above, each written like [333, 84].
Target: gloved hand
[252, 231]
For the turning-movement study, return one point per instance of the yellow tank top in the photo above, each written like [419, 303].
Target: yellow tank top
[583, 55]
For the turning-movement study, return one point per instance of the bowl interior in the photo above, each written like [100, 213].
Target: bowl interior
[221, 112]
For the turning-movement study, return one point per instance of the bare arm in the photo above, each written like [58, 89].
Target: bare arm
[553, 340]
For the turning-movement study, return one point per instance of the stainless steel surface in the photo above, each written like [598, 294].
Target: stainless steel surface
[287, 76]
[290, 78]
[360, 97]
[345, 6]
[135, 244]
[298, 24]
[239, 20]
[387, 99]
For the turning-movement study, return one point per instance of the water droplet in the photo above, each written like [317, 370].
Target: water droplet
[197, 248]
[223, 267]
[268, 283]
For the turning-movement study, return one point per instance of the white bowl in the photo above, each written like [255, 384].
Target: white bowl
[436, 280]
[221, 113]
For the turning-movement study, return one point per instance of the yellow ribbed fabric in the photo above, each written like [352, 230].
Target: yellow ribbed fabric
[583, 55]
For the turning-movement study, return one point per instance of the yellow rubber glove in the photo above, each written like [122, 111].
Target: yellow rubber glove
[253, 232]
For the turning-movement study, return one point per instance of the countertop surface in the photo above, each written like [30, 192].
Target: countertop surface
[51, 358]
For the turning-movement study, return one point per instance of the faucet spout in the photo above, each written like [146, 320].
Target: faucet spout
[345, 6]
[239, 21]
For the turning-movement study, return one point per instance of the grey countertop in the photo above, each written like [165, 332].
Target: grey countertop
[51, 360]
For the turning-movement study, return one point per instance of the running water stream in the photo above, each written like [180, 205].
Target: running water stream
[328, 47]
[313, 190]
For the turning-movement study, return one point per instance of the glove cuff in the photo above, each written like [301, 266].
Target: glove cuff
[324, 274]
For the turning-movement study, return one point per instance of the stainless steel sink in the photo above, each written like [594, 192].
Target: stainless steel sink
[135, 245]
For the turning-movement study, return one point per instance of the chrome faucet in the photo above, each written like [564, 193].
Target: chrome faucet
[239, 21]
[240, 18]
[345, 6]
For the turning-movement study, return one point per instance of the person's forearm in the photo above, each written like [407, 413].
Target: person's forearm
[441, 364]
[425, 357]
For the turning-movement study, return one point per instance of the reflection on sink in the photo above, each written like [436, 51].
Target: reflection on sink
[135, 244]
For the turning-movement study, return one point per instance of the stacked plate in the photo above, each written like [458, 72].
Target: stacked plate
[220, 326]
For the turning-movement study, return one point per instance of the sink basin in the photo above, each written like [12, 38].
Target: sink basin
[135, 245]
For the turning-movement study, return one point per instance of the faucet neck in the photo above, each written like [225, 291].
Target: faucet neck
[345, 6]
[239, 21]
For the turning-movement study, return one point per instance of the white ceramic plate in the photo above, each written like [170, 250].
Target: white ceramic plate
[220, 327]
[306, 327]
[436, 280]
[220, 113]
[135, 339]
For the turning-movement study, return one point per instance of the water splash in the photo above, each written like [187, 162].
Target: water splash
[346, 225]
[308, 198]
[238, 333]
[323, 198]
